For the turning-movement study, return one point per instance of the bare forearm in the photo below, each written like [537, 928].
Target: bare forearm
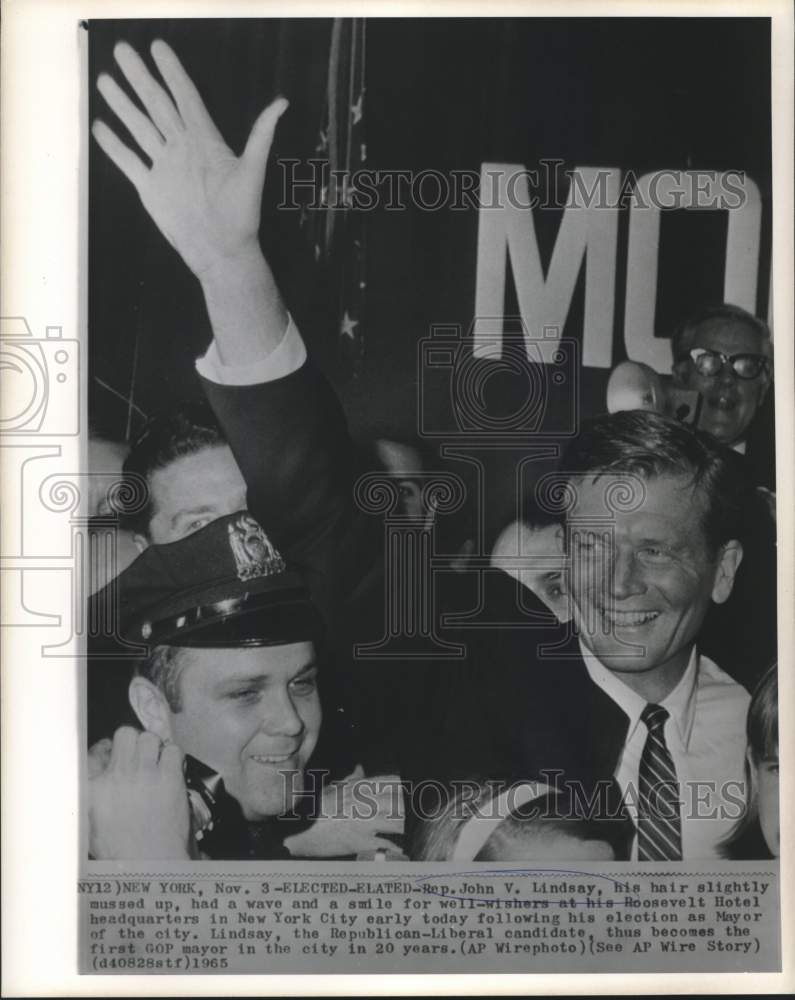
[247, 315]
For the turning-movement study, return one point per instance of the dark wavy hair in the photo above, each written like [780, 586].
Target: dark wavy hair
[647, 445]
[184, 430]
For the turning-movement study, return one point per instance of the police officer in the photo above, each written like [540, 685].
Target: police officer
[226, 693]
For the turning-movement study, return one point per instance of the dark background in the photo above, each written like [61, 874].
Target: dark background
[640, 94]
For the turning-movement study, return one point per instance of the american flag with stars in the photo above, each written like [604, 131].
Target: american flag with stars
[337, 228]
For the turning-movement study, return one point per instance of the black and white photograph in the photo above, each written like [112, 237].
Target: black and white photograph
[571, 534]
[427, 555]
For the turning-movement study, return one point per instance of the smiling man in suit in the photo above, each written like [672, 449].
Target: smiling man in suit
[652, 539]
[650, 535]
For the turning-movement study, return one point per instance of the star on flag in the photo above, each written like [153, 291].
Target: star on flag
[348, 326]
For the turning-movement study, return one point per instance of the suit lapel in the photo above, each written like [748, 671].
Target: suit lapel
[609, 728]
[594, 725]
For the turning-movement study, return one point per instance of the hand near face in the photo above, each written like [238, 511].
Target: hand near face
[138, 806]
[354, 812]
[203, 198]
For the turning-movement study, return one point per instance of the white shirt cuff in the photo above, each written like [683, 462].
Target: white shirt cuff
[283, 360]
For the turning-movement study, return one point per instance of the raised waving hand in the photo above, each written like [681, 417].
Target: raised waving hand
[204, 199]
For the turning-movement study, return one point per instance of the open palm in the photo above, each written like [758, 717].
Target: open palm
[204, 199]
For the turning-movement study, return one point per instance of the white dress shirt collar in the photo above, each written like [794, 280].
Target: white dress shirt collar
[680, 703]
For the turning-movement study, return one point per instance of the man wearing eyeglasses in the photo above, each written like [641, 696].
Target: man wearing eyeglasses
[726, 355]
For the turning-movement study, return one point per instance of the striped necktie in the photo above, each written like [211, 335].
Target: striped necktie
[659, 820]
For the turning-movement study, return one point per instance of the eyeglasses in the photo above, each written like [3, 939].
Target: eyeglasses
[710, 363]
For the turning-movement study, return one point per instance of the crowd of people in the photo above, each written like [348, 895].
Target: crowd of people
[612, 721]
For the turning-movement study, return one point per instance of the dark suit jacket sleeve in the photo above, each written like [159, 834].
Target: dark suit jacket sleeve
[522, 702]
[290, 439]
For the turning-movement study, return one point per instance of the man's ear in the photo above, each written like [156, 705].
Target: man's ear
[141, 541]
[729, 559]
[150, 705]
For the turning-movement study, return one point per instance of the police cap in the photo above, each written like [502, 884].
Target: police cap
[226, 585]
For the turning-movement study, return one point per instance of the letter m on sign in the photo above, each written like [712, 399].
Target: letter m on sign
[588, 232]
